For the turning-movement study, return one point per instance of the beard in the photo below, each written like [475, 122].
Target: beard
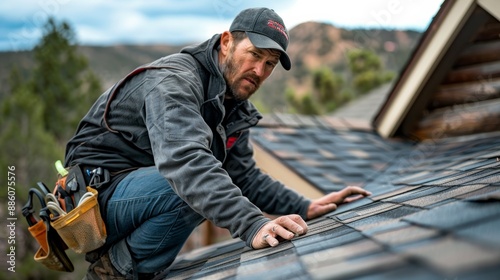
[230, 71]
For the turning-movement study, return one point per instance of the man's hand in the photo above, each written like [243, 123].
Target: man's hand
[330, 201]
[284, 227]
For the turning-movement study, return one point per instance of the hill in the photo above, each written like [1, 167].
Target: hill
[312, 45]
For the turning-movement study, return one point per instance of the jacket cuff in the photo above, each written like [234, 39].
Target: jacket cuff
[304, 208]
[249, 235]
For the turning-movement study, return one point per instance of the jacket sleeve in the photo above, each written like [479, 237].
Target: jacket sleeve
[269, 195]
[180, 141]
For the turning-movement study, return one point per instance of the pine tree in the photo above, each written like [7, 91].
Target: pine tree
[42, 112]
[62, 78]
[37, 117]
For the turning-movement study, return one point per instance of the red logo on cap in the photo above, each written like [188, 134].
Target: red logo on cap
[276, 25]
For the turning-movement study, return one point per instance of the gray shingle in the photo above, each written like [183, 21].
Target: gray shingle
[487, 233]
[454, 256]
[454, 215]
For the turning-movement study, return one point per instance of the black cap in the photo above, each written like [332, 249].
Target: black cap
[265, 29]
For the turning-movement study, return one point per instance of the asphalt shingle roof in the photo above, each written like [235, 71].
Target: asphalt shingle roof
[434, 212]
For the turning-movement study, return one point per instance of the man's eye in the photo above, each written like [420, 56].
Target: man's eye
[271, 63]
[254, 54]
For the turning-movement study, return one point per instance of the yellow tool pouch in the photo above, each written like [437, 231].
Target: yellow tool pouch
[82, 229]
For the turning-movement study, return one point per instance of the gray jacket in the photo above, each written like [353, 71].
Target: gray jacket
[170, 114]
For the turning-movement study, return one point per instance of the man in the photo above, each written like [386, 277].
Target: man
[174, 134]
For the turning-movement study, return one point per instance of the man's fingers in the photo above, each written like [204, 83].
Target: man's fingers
[263, 239]
[353, 198]
[270, 239]
[323, 209]
[284, 233]
[351, 190]
[292, 223]
[352, 193]
[285, 227]
[329, 208]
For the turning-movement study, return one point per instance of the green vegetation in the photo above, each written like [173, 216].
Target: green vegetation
[326, 94]
[37, 118]
[329, 91]
[367, 70]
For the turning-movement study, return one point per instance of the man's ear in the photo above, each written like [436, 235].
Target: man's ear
[226, 41]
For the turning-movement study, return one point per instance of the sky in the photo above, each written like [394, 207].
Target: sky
[108, 22]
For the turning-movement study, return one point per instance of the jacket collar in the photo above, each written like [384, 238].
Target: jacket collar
[203, 53]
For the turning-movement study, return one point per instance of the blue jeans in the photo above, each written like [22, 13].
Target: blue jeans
[148, 222]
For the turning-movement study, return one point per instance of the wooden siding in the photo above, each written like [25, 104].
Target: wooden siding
[468, 98]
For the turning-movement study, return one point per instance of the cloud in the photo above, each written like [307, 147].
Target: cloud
[180, 22]
[399, 14]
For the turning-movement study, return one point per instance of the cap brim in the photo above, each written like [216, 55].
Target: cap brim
[263, 42]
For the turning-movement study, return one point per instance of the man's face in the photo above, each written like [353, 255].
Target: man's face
[246, 67]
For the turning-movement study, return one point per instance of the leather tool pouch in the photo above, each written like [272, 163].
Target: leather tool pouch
[51, 252]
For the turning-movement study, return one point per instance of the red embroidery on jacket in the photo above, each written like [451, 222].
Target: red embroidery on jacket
[230, 141]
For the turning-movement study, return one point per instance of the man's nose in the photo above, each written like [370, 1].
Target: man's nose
[260, 69]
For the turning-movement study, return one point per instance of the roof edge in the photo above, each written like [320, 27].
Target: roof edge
[491, 6]
[433, 45]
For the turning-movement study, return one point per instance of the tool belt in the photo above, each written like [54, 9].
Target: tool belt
[69, 216]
